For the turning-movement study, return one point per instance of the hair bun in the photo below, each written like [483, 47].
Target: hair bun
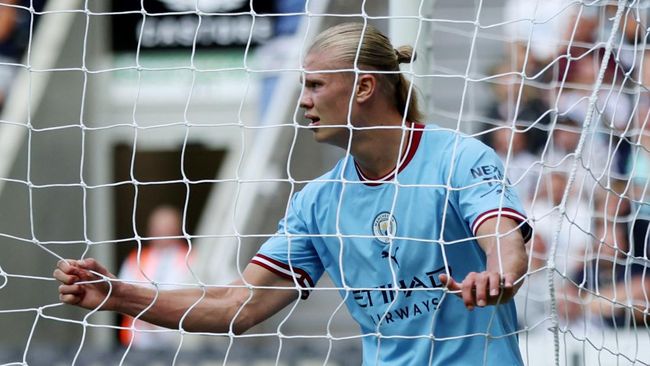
[405, 54]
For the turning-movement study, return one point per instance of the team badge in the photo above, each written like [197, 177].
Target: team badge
[384, 226]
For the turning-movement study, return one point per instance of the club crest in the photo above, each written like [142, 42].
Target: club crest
[384, 226]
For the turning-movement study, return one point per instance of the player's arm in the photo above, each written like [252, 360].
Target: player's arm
[220, 308]
[505, 250]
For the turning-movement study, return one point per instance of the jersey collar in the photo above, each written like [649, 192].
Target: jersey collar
[413, 140]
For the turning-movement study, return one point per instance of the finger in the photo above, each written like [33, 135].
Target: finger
[64, 278]
[67, 265]
[92, 265]
[481, 285]
[495, 284]
[449, 282]
[508, 280]
[71, 294]
[70, 299]
[508, 286]
[467, 288]
[70, 290]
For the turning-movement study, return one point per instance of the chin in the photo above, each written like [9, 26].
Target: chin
[331, 137]
[321, 137]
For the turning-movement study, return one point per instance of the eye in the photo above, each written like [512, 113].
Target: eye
[313, 84]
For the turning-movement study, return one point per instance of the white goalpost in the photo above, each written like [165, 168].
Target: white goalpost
[166, 139]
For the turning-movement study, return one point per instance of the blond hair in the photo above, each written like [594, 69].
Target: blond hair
[375, 53]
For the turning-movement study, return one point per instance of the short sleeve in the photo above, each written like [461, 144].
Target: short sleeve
[481, 189]
[290, 253]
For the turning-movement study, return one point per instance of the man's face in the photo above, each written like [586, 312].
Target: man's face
[326, 100]
[164, 223]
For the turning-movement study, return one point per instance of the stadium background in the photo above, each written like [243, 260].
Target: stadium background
[69, 130]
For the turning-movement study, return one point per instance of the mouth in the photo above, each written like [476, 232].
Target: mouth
[315, 121]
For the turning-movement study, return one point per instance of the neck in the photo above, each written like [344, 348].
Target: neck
[376, 151]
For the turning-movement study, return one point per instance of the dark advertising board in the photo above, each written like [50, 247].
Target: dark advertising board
[176, 24]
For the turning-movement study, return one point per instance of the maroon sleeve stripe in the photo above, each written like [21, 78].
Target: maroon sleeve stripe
[282, 270]
[285, 271]
[303, 293]
[526, 230]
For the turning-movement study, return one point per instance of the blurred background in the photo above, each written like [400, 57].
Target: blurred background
[173, 126]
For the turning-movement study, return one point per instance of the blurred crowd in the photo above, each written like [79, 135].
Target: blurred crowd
[585, 185]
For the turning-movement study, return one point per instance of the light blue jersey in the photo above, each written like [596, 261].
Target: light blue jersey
[389, 239]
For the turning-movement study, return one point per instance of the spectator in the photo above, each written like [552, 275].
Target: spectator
[520, 166]
[573, 248]
[545, 24]
[573, 238]
[632, 286]
[161, 262]
[562, 149]
[531, 108]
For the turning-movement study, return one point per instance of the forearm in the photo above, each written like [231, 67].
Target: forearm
[504, 248]
[213, 311]
[86, 283]
[507, 255]
[217, 310]
[506, 263]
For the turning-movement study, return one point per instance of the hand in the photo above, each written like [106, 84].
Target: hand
[482, 289]
[86, 295]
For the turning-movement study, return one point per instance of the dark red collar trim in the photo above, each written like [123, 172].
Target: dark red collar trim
[415, 135]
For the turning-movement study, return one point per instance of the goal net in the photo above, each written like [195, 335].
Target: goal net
[166, 139]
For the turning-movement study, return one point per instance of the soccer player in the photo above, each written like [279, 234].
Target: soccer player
[417, 226]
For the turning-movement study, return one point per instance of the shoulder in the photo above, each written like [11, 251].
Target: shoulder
[453, 144]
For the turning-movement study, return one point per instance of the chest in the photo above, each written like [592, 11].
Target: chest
[371, 233]
[385, 213]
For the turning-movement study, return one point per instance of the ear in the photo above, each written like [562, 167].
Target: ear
[366, 87]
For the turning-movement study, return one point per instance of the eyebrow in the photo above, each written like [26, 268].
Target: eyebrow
[302, 80]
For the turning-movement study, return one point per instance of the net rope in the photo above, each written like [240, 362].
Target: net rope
[583, 176]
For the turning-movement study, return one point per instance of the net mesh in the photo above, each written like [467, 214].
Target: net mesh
[190, 115]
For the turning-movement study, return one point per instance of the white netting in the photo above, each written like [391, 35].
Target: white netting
[113, 110]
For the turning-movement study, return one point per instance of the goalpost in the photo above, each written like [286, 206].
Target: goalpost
[106, 97]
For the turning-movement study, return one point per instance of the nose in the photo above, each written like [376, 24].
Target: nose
[305, 100]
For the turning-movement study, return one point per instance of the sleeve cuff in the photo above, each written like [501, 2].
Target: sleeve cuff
[526, 230]
[285, 271]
